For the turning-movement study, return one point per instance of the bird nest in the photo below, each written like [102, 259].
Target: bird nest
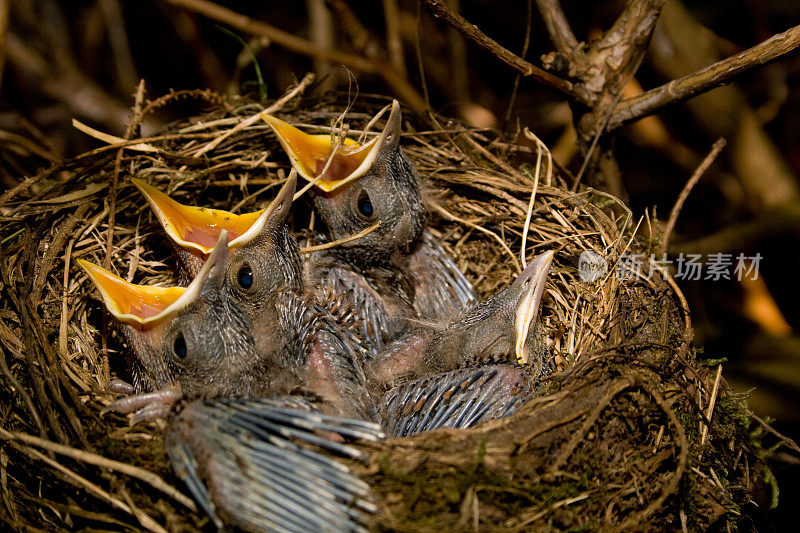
[632, 431]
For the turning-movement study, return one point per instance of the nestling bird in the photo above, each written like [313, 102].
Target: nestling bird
[500, 329]
[264, 256]
[397, 273]
[255, 463]
[201, 341]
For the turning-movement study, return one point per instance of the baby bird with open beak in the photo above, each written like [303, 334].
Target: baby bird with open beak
[254, 434]
[397, 274]
[201, 342]
[264, 258]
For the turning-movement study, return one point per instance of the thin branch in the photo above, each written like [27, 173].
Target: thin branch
[471, 31]
[526, 41]
[704, 80]
[791, 444]
[345, 240]
[397, 81]
[112, 209]
[698, 173]
[558, 27]
[711, 404]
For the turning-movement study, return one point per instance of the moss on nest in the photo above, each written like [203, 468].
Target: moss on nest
[618, 440]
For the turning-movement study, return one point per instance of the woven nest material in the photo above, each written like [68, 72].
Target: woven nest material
[620, 438]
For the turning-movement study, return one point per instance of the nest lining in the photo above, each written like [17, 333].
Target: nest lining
[620, 439]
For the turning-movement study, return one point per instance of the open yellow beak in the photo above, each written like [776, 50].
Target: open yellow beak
[142, 304]
[130, 303]
[532, 281]
[199, 228]
[311, 154]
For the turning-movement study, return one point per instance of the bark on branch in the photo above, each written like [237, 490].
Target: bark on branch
[704, 80]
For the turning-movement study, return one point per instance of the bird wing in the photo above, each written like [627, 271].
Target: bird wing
[458, 399]
[267, 465]
[442, 292]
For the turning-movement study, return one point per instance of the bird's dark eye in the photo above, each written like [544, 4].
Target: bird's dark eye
[364, 205]
[245, 277]
[179, 346]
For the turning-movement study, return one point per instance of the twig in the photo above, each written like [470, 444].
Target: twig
[786, 440]
[108, 138]
[471, 31]
[687, 189]
[704, 80]
[526, 41]
[711, 403]
[558, 28]
[397, 81]
[541, 148]
[592, 146]
[148, 477]
[325, 246]
[112, 209]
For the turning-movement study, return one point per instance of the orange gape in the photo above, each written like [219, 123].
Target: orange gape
[198, 226]
[310, 154]
[125, 299]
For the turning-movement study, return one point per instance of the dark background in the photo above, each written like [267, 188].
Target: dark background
[84, 58]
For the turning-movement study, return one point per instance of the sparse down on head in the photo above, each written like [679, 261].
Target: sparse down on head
[501, 328]
[262, 236]
[194, 336]
[358, 186]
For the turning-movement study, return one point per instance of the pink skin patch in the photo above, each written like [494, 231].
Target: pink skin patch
[144, 310]
[320, 376]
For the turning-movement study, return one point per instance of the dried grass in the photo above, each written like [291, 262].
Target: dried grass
[614, 443]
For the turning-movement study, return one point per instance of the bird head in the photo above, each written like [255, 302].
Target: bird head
[193, 337]
[263, 257]
[263, 254]
[357, 186]
[525, 297]
[501, 328]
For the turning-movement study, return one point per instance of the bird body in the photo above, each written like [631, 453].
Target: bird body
[397, 274]
[502, 328]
